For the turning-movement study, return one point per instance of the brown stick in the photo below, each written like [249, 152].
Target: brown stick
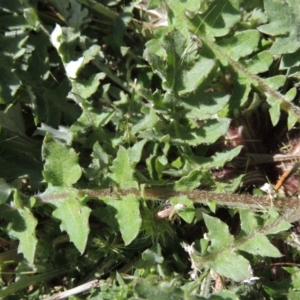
[77, 290]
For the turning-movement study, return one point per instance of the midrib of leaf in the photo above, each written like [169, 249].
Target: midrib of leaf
[105, 11]
[268, 90]
[99, 8]
[175, 67]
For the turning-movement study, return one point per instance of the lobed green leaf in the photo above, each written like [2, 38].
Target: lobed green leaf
[230, 265]
[241, 44]
[23, 227]
[128, 217]
[123, 172]
[187, 212]
[218, 234]
[74, 217]
[61, 163]
[284, 24]
[260, 245]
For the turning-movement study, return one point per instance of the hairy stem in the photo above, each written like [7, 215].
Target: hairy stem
[288, 205]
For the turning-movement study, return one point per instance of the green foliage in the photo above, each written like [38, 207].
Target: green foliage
[128, 217]
[61, 167]
[122, 171]
[221, 255]
[111, 120]
[284, 29]
[186, 208]
[22, 227]
[74, 220]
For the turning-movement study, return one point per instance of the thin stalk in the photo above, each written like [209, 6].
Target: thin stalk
[197, 196]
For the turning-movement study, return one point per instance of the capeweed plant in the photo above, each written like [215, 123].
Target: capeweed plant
[115, 133]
